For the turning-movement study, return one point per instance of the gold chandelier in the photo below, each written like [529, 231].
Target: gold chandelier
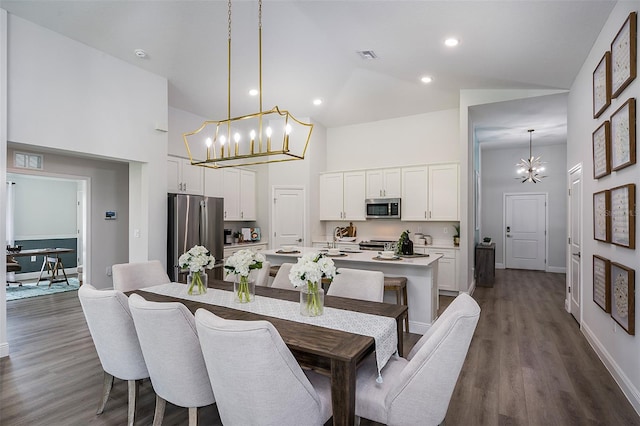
[262, 137]
[530, 168]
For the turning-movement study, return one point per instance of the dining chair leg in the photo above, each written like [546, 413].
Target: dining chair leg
[107, 384]
[133, 393]
[193, 416]
[158, 415]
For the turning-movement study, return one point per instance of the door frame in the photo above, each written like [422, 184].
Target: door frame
[570, 172]
[305, 224]
[546, 225]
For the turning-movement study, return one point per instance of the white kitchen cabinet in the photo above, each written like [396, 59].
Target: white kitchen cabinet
[384, 183]
[183, 178]
[342, 196]
[239, 192]
[213, 182]
[446, 267]
[444, 192]
[414, 193]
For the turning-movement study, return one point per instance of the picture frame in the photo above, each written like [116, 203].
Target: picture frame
[623, 56]
[623, 136]
[602, 85]
[623, 306]
[602, 216]
[623, 216]
[601, 141]
[602, 282]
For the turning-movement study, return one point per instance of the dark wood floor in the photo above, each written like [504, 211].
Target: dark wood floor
[528, 364]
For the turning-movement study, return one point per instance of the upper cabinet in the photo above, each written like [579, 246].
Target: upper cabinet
[384, 183]
[444, 194]
[342, 196]
[414, 193]
[183, 178]
[239, 192]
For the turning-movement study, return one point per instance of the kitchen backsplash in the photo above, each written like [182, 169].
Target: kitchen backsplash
[391, 229]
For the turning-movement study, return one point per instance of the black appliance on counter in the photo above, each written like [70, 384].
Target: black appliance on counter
[194, 220]
[375, 245]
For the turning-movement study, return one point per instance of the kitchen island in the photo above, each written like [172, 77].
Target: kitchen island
[421, 274]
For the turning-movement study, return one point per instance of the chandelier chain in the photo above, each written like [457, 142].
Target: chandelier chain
[260, 14]
[229, 18]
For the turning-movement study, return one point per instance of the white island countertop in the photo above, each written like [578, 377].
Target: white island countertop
[366, 256]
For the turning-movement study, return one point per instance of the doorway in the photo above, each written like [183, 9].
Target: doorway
[288, 224]
[574, 287]
[525, 225]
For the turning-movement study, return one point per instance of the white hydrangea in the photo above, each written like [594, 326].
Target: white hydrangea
[197, 259]
[311, 267]
[243, 261]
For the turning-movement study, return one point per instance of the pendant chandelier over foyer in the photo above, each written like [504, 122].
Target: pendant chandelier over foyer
[262, 137]
[530, 168]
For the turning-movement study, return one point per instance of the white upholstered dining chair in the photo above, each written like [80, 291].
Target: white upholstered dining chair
[114, 336]
[169, 342]
[261, 276]
[358, 284]
[137, 275]
[281, 280]
[418, 389]
[256, 379]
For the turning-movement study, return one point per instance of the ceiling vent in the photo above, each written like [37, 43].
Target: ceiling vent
[367, 54]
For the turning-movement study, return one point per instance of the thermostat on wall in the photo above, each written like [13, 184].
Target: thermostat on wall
[110, 215]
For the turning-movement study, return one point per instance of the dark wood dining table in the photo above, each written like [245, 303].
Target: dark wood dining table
[330, 352]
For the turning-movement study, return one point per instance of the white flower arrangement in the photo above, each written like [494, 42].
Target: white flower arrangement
[197, 259]
[243, 261]
[311, 268]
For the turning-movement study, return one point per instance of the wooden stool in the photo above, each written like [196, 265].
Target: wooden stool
[399, 285]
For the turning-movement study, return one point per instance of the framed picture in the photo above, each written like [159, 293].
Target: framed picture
[601, 150]
[623, 56]
[623, 301]
[623, 136]
[602, 283]
[602, 216]
[602, 85]
[623, 216]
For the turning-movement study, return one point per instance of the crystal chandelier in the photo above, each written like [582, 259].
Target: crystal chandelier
[262, 137]
[530, 168]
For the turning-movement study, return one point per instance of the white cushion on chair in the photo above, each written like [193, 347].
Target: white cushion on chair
[137, 275]
[358, 284]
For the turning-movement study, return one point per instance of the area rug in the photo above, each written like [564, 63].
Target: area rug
[14, 292]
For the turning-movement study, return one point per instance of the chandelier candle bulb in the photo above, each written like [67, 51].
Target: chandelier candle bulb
[222, 141]
[268, 131]
[236, 137]
[252, 135]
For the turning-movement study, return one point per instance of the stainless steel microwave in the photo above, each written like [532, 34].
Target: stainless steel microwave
[383, 208]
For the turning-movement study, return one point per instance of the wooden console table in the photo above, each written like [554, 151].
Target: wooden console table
[485, 265]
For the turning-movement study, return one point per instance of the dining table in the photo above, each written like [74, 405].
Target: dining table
[331, 352]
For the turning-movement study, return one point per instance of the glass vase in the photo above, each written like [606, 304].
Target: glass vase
[196, 283]
[311, 300]
[244, 289]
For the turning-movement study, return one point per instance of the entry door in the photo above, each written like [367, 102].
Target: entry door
[288, 217]
[575, 193]
[525, 231]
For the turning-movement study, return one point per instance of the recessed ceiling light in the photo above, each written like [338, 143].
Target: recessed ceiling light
[451, 42]
[317, 101]
[140, 53]
[367, 54]
[426, 79]
[253, 92]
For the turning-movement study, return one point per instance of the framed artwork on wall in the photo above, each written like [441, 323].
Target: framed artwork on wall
[623, 56]
[623, 217]
[602, 216]
[602, 283]
[623, 136]
[623, 305]
[602, 85]
[601, 140]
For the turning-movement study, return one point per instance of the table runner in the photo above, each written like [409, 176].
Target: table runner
[382, 329]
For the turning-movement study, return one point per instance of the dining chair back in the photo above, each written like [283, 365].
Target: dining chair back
[281, 280]
[358, 284]
[417, 390]
[114, 336]
[254, 376]
[137, 275]
[260, 276]
[169, 342]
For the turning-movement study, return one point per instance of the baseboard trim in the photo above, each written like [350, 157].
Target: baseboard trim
[418, 327]
[34, 275]
[627, 387]
[4, 349]
[557, 269]
[500, 266]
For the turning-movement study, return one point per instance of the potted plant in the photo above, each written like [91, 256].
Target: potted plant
[456, 237]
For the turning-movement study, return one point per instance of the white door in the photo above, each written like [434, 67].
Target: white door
[288, 217]
[575, 194]
[525, 231]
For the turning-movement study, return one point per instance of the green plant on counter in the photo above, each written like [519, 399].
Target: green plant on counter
[403, 237]
[457, 228]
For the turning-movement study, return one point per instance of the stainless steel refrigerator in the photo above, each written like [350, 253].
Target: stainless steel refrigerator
[194, 220]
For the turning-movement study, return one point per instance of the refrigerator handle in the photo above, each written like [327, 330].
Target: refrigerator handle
[204, 220]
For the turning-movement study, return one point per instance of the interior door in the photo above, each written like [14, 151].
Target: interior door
[525, 231]
[288, 217]
[575, 195]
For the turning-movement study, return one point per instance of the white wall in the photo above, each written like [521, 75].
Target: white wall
[4, 345]
[618, 350]
[498, 177]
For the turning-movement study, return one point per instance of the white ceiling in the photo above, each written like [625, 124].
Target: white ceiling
[309, 51]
